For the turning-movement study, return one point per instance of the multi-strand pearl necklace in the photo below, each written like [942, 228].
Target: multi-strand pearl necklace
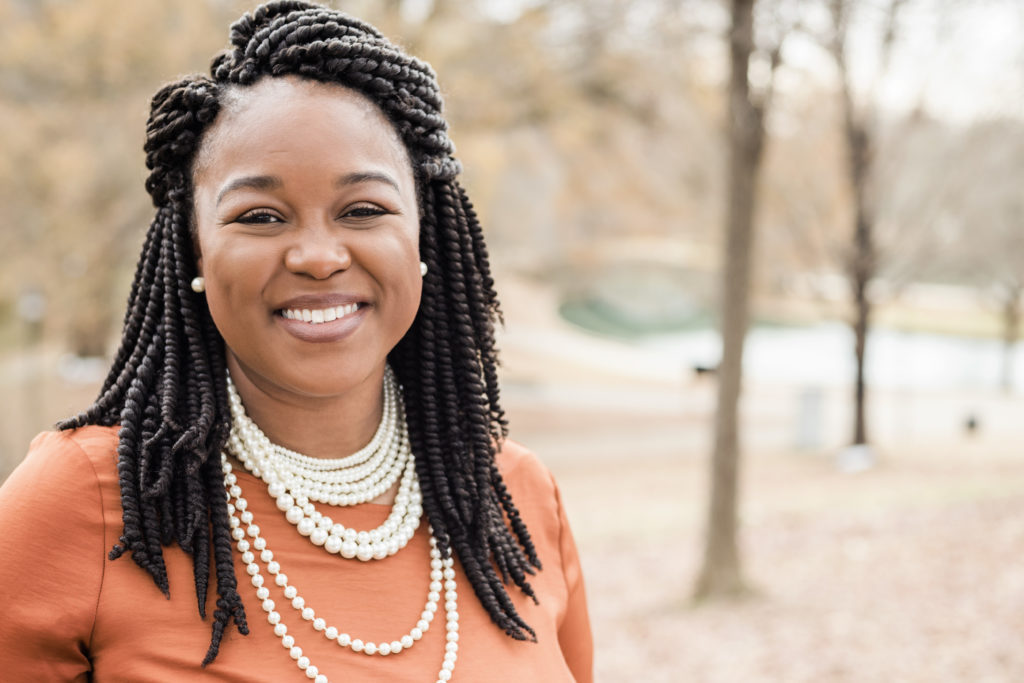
[293, 478]
[295, 481]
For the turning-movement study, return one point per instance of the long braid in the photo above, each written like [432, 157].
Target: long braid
[167, 386]
[163, 388]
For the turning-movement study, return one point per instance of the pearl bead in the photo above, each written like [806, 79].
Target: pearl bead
[344, 639]
[288, 641]
[370, 648]
[331, 633]
[311, 671]
[320, 678]
[295, 652]
[357, 645]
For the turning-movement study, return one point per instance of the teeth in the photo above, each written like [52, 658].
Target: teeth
[320, 315]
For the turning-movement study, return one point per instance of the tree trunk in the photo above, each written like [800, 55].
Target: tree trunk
[1011, 332]
[721, 573]
[862, 264]
[863, 270]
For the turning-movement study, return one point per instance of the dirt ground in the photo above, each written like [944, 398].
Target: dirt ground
[910, 571]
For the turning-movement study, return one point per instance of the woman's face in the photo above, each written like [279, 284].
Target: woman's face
[308, 234]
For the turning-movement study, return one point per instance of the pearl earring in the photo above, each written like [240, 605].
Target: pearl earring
[423, 269]
[199, 284]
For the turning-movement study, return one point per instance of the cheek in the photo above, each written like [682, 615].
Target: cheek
[401, 257]
[233, 275]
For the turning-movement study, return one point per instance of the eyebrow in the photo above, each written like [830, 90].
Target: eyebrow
[270, 182]
[256, 182]
[367, 177]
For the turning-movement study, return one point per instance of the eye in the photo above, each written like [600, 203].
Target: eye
[258, 217]
[364, 211]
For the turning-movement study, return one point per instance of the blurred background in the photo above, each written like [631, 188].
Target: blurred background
[854, 167]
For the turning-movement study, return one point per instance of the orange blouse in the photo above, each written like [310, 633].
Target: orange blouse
[74, 615]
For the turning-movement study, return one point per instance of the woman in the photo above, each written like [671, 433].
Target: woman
[303, 414]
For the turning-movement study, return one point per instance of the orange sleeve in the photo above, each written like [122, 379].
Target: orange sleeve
[51, 521]
[574, 634]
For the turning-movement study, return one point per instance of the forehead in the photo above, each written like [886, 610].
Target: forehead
[293, 114]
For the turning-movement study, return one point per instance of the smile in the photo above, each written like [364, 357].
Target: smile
[319, 315]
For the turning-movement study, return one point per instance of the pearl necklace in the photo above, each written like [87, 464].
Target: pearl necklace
[439, 569]
[295, 480]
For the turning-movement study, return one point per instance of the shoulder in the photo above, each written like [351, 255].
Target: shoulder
[64, 463]
[524, 473]
[52, 514]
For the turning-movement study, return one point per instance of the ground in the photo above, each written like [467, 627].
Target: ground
[908, 572]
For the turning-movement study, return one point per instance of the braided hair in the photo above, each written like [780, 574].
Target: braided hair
[167, 385]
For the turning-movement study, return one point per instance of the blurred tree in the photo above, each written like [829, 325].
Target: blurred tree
[859, 123]
[75, 77]
[721, 573]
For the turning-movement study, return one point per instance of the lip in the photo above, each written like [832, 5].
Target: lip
[325, 332]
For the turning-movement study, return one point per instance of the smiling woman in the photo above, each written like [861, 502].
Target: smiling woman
[308, 348]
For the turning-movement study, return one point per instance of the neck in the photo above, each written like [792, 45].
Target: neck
[330, 426]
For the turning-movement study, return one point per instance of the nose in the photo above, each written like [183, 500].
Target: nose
[318, 252]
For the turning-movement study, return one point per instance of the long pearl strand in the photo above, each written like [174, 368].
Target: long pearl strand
[440, 569]
[295, 480]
